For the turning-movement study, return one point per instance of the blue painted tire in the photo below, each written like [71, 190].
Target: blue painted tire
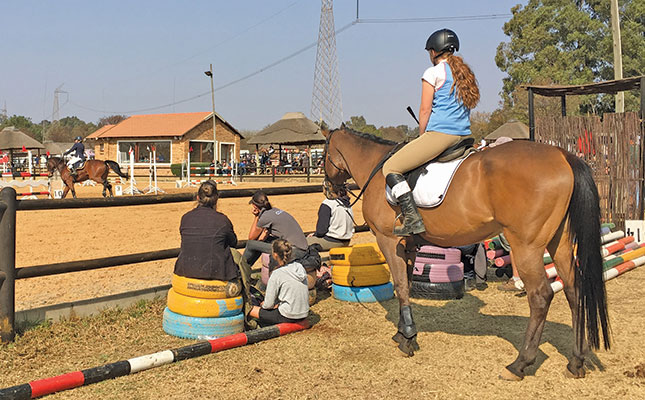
[199, 328]
[364, 294]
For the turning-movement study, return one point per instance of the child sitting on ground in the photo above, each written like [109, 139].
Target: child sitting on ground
[287, 295]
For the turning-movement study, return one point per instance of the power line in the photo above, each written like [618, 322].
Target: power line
[431, 19]
[245, 77]
[209, 48]
[300, 51]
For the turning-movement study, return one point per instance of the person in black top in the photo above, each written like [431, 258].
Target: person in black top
[78, 156]
[208, 242]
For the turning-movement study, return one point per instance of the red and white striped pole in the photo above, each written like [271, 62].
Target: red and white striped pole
[42, 387]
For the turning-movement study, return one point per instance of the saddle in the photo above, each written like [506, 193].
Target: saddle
[457, 151]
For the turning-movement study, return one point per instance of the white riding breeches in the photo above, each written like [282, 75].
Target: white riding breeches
[73, 160]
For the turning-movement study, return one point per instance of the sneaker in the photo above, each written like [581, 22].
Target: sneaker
[470, 281]
[512, 286]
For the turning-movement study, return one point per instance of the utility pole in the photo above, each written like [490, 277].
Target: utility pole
[209, 73]
[618, 54]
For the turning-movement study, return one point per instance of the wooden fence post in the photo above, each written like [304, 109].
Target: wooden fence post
[7, 263]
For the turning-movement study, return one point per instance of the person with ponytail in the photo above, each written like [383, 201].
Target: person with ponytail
[448, 92]
[287, 295]
[208, 242]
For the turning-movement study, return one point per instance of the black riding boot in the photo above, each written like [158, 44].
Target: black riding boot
[412, 221]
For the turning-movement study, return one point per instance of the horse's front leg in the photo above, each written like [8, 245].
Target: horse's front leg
[394, 252]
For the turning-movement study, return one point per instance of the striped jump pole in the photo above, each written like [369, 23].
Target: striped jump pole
[610, 237]
[84, 377]
[609, 273]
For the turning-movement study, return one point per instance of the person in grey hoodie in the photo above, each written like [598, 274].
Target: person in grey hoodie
[287, 295]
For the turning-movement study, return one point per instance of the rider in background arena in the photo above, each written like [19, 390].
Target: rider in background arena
[335, 225]
[78, 156]
[448, 92]
[208, 242]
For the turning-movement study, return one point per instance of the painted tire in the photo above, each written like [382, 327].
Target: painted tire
[264, 270]
[205, 289]
[367, 294]
[438, 255]
[360, 254]
[439, 273]
[437, 291]
[208, 308]
[198, 328]
[313, 294]
[360, 275]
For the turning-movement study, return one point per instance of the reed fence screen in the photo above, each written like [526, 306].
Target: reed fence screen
[614, 148]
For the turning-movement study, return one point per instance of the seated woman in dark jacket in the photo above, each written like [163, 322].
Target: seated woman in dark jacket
[208, 242]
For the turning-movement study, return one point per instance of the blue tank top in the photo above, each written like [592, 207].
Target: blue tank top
[448, 115]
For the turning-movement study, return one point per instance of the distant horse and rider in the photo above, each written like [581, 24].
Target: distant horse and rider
[96, 170]
[79, 170]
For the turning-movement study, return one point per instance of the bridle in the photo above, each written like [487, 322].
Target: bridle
[376, 169]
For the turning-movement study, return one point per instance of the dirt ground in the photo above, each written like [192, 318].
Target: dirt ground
[348, 352]
[51, 236]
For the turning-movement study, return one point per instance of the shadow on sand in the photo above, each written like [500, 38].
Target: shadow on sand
[463, 317]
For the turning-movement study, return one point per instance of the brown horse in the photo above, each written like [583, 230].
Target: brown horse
[547, 199]
[95, 170]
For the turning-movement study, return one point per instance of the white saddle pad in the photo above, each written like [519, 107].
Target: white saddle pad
[433, 185]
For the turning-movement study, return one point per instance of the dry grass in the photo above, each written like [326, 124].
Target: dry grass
[348, 353]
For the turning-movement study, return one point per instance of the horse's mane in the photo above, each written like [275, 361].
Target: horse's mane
[368, 136]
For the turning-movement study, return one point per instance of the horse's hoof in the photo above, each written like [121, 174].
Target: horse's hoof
[409, 346]
[398, 338]
[509, 376]
[580, 373]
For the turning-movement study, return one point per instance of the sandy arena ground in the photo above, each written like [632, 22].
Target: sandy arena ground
[347, 354]
[53, 236]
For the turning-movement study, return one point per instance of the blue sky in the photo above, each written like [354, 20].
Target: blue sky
[128, 56]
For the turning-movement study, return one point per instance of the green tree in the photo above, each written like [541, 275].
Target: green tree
[568, 42]
[359, 124]
[25, 125]
[110, 120]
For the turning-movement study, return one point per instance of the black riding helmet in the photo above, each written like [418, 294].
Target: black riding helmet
[443, 40]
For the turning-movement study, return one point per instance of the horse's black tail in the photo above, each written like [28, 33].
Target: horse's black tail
[115, 167]
[584, 220]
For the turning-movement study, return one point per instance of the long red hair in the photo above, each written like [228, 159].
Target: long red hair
[464, 81]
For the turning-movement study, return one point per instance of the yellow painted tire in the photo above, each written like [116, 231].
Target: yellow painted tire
[205, 289]
[360, 275]
[360, 254]
[207, 308]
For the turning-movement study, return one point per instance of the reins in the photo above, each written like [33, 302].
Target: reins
[376, 169]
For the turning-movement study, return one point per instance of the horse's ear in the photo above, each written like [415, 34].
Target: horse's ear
[324, 132]
[342, 126]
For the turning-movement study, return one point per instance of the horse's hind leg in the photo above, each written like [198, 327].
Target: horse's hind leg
[529, 262]
[107, 185]
[394, 252]
[561, 251]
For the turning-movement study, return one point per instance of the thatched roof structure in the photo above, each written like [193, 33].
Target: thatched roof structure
[14, 139]
[293, 128]
[513, 129]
